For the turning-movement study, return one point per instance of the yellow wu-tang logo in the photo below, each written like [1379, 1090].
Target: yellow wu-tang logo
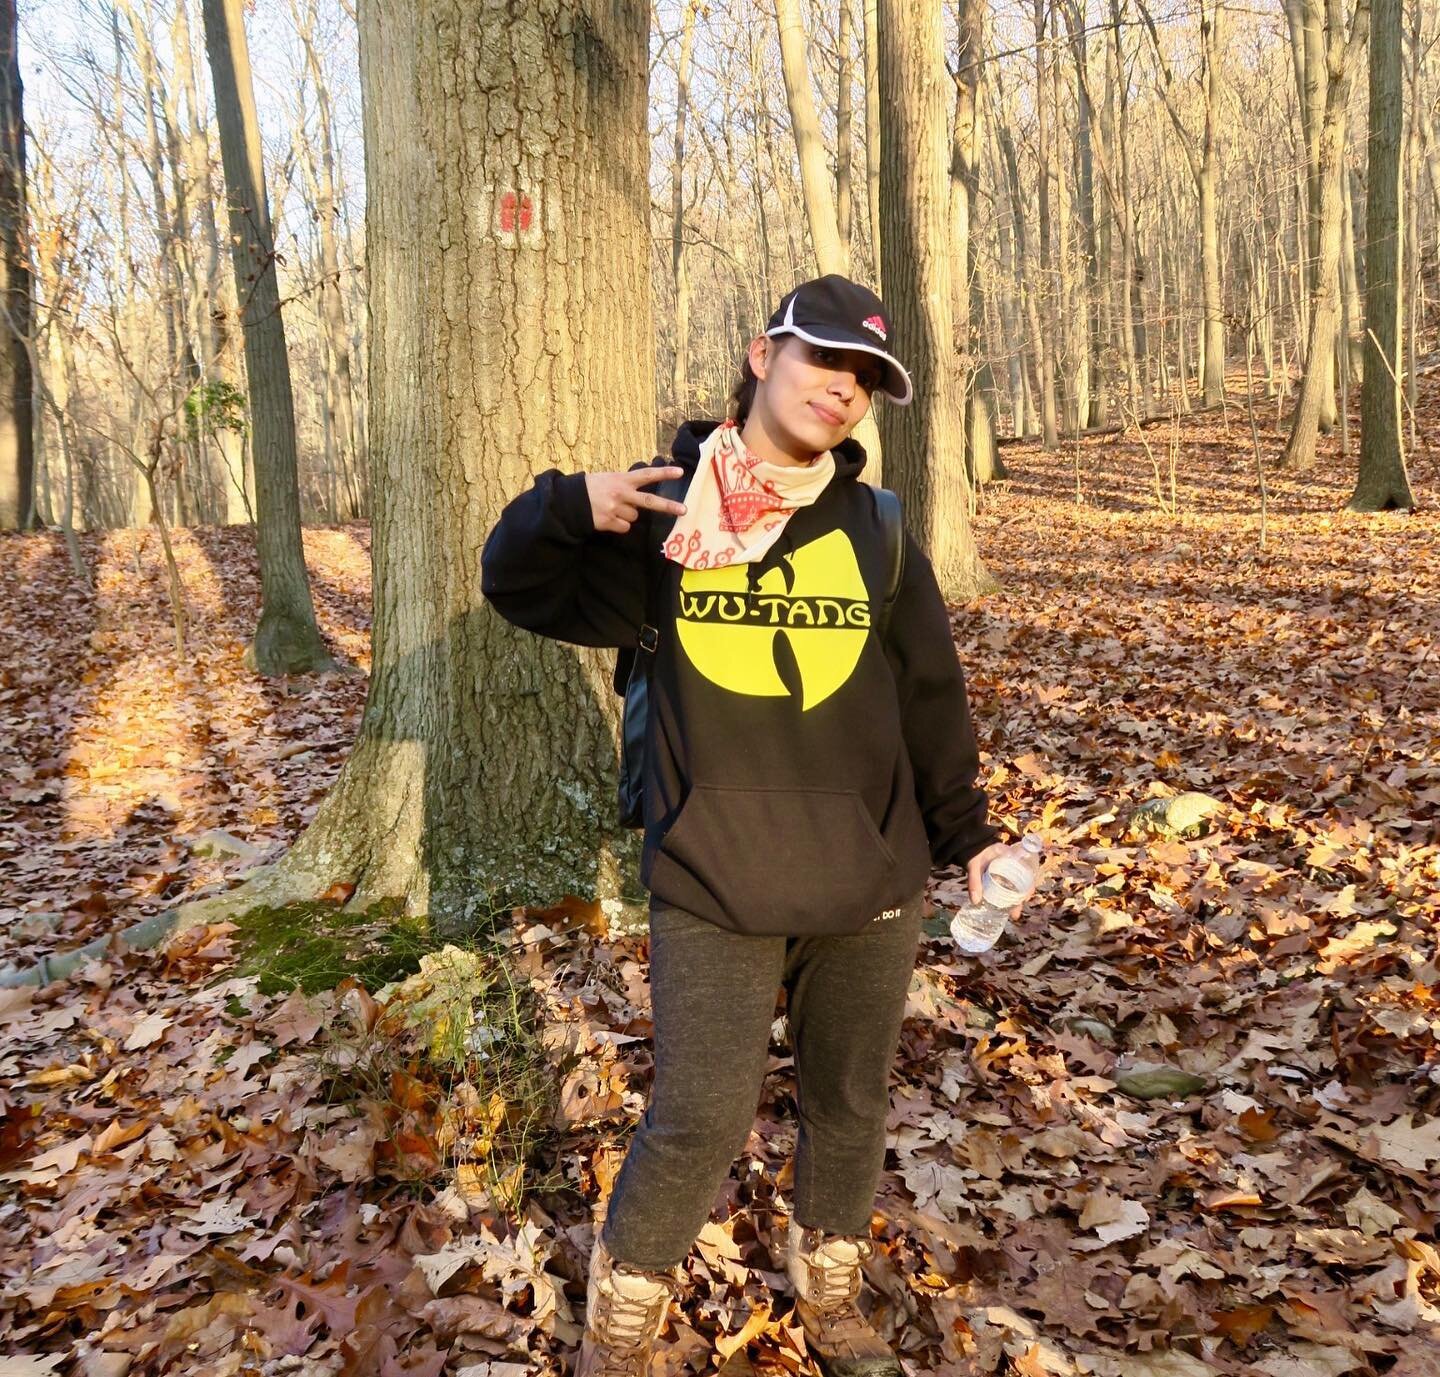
[730, 619]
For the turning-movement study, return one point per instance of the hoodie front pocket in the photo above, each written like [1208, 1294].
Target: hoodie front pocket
[773, 861]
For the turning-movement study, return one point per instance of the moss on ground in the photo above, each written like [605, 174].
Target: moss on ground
[313, 946]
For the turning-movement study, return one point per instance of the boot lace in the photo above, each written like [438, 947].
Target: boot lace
[627, 1324]
[840, 1283]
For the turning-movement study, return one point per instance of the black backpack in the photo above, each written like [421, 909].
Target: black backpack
[632, 663]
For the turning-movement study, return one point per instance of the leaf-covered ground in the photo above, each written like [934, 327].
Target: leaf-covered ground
[182, 1190]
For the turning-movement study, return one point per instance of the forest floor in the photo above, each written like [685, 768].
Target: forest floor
[184, 1189]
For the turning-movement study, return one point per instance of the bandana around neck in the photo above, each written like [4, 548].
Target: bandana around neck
[737, 503]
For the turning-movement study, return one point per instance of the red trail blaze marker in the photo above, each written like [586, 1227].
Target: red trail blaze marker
[510, 203]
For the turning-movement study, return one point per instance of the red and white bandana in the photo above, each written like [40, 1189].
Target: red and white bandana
[737, 503]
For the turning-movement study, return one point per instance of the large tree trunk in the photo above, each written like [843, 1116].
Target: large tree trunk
[924, 446]
[507, 222]
[287, 640]
[1383, 482]
[1317, 388]
[17, 451]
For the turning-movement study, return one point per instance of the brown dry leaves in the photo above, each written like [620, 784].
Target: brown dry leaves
[177, 1195]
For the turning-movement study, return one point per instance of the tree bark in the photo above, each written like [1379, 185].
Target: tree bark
[844, 137]
[982, 458]
[340, 373]
[214, 294]
[1341, 58]
[1045, 285]
[1203, 156]
[1089, 240]
[508, 230]
[1382, 481]
[17, 444]
[830, 253]
[680, 369]
[872, 138]
[923, 444]
[287, 640]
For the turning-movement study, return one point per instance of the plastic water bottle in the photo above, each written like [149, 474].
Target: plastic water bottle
[1008, 880]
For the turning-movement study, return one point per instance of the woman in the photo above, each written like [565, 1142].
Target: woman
[803, 775]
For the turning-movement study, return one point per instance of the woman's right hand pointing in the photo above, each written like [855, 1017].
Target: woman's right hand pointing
[616, 498]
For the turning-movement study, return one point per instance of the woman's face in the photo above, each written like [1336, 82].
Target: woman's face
[811, 396]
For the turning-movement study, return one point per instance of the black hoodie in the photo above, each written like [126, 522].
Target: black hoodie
[800, 777]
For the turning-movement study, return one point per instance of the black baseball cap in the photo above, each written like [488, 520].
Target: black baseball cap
[836, 311]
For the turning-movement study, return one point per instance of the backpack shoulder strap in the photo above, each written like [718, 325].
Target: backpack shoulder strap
[673, 490]
[654, 565]
[887, 503]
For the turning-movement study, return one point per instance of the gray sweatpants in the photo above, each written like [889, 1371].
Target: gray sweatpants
[713, 996]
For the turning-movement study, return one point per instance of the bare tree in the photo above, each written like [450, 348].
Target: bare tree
[924, 447]
[680, 374]
[1340, 55]
[872, 134]
[1383, 482]
[17, 453]
[830, 252]
[1044, 175]
[1202, 154]
[287, 639]
[982, 456]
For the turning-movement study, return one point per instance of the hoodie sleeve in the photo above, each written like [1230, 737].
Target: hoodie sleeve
[547, 569]
[935, 716]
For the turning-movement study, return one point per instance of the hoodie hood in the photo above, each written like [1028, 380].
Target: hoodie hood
[685, 450]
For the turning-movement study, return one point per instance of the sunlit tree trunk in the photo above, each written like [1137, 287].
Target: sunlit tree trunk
[1341, 56]
[924, 446]
[830, 253]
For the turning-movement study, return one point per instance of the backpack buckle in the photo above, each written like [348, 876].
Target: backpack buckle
[648, 638]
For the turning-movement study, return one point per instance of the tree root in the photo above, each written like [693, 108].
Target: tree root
[354, 838]
[262, 886]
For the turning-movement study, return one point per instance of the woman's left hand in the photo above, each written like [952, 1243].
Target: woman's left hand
[976, 868]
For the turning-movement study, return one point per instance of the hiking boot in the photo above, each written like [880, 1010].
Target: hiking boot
[825, 1271]
[625, 1310]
